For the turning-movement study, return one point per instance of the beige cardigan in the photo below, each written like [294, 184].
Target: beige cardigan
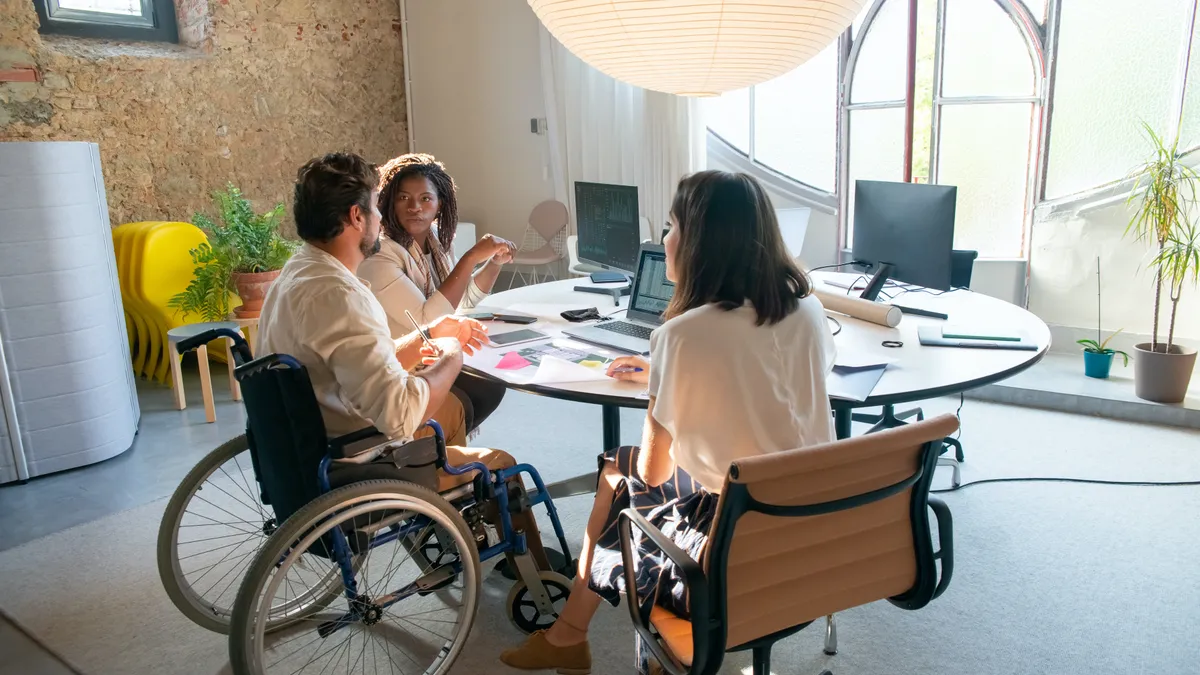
[397, 279]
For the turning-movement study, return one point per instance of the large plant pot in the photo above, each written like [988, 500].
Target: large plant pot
[1097, 364]
[252, 289]
[1160, 376]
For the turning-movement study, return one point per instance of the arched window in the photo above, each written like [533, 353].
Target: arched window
[787, 125]
[979, 92]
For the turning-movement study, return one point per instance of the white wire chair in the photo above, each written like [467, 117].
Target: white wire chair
[543, 246]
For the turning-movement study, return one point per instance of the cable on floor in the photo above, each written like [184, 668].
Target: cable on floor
[1086, 481]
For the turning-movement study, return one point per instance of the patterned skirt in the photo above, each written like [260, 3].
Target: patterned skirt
[681, 508]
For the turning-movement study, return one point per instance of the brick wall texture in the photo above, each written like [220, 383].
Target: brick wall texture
[260, 87]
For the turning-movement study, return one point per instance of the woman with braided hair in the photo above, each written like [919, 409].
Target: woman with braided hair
[415, 270]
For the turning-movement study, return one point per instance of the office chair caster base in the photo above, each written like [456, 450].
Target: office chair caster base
[831, 641]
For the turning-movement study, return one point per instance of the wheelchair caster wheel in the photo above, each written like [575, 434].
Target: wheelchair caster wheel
[523, 611]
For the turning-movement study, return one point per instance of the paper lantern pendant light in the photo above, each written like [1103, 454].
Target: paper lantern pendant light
[696, 47]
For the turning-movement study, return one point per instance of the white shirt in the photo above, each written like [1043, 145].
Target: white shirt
[727, 389]
[318, 312]
[398, 281]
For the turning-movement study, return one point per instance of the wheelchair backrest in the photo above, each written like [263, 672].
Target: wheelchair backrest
[285, 430]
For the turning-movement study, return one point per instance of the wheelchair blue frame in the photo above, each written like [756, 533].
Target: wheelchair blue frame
[510, 540]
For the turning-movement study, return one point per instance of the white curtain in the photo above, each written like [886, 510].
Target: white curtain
[605, 131]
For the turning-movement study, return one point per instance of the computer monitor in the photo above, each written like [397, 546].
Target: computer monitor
[905, 230]
[608, 227]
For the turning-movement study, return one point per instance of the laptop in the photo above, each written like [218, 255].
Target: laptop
[647, 301]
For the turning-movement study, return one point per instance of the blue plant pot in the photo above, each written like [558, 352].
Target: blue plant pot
[1097, 365]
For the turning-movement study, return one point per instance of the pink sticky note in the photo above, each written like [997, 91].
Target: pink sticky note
[512, 361]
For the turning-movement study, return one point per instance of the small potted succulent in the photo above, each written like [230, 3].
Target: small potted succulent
[244, 254]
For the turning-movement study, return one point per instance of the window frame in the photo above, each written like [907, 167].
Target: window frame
[156, 23]
[1034, 36]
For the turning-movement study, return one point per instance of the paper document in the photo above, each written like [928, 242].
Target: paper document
[853, 384]
[553, 370]
[857, 360]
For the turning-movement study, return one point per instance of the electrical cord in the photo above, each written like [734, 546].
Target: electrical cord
[836, 323]
[1086, 481]
[830, 267]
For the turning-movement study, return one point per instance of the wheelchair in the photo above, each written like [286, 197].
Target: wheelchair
[321, 555]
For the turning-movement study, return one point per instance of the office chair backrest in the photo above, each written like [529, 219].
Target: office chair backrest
[962, 263]
[285, 430]
[810, 532]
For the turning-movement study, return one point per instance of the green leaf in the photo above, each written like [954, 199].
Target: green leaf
[1090, 345]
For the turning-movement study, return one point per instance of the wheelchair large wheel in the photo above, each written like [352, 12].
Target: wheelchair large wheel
[211, 529]
[401, 616]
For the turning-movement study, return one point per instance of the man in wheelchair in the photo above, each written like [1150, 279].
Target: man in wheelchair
[327, 318]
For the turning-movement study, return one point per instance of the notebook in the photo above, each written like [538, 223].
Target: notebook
[932, 336]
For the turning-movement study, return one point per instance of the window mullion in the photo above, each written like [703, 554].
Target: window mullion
[935, 117]
[751, 145]
[1175, 122]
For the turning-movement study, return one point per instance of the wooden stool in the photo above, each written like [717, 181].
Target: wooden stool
[174, 336]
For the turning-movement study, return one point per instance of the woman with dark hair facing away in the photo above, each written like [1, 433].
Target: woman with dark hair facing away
[415, 270]
[737, 370]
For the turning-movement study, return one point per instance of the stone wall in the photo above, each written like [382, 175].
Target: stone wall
[256, 88]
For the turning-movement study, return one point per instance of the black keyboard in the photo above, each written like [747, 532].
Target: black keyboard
[626, 328]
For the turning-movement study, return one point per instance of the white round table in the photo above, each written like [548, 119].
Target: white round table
[917, 372]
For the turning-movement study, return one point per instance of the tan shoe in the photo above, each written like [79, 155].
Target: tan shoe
[538, 654]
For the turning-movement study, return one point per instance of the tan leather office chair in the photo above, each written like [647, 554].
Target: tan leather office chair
[800, 535]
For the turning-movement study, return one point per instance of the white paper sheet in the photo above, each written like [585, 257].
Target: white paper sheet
[853, 385]
[554, 370]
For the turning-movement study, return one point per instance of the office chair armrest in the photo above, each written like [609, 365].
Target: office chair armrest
[945, 542]
[693, 576]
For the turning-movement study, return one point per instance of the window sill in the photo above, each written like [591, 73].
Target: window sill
[95, 49]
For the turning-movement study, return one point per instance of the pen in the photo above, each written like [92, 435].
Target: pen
[421, 332]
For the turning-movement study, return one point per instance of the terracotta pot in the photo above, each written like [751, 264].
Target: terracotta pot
[1160, 376]
[252, 289]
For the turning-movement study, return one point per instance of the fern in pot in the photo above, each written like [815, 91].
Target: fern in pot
[244, 255]
[1164, 199]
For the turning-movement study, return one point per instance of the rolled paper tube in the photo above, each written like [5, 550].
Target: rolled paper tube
[875, 312]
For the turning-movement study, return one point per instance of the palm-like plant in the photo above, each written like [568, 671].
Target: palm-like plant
[239, 242]
[1177, 262]
[1161, 195]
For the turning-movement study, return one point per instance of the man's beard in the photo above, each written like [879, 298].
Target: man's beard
[369, 250]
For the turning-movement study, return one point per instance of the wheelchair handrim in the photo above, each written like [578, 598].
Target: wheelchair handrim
[290, 610]
[337, 514]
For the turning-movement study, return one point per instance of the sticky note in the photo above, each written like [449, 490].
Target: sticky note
[512, 361]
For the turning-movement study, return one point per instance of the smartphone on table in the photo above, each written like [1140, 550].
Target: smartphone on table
[514, 318]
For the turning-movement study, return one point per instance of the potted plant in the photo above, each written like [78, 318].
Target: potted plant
[1164, 197]
[1097, 357]
[244, 254]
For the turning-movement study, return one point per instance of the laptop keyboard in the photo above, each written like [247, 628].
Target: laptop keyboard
[626, 328]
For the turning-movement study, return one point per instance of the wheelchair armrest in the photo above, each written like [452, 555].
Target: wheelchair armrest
[694, 579]
[241, 349]
[946, 542]
[337, 446]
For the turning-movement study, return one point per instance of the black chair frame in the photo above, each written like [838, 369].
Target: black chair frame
[707, 592]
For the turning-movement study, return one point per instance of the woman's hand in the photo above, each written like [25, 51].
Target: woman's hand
[494, 249]
[471, 334]
[630, 369]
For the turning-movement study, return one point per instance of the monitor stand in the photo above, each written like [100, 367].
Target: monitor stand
[877, 282]
[876, 285]
[615, 293]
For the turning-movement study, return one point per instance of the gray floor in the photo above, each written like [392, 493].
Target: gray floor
[1052, 578]
[24, 655]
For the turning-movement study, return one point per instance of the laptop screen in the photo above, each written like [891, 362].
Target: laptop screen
[652, 292]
